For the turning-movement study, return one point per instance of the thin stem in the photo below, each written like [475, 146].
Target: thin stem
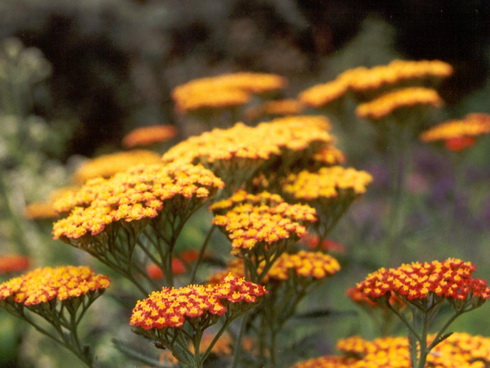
[201, 254]
[238, 342]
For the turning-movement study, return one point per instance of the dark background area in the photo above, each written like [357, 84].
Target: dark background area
[115, 63]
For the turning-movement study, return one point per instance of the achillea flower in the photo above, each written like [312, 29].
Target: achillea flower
[140, 193]
[458, 135]
[329, 156]
[45, 284]
[107, 165]
[11, 263]
[224, 90]
[388, 103]
[171, 308]
[361, 80]
[276, 107]
[149, 135]
[451, 279]
[263, 219]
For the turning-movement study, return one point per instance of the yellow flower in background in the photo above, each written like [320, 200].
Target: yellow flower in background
[225, 90]
[459, 134]
[149, 135]
[107, 165]
[388, 103]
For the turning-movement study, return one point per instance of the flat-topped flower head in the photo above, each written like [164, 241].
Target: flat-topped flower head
[262, 220]
[140, 193]
[172, 307]
[391, 102]
[458, 135]
[149, 135]
[361, 80]
[11, 263]
[45, 284]
[225, 90]
[451, 279]
[107, 165]
[328, 182]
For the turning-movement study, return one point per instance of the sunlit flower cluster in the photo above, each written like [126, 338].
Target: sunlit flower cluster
[402, 98]
[363, 79]
[172, 307]
[130, 196]
[328, 182]
[44, 284]
[460, 350]
[459, 134]
[224, 90]
[266, 222]
[10, 263]
[146, 136]
[107, 165]
[451, 279]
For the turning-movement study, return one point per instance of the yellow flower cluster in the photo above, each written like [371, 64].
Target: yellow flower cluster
[329, 155]
[471, 126]
[224, 90]
[44, 284]
[171, 307]
[267, 222]
[261, 142]
[460, 350]
[363, 79]
[139, 193]
[328, 182]
[275, 107]
[107, 165]
[406, 97]
[148, 135]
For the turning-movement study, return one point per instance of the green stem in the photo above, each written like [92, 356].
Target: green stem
[201, 254]
[238, 342]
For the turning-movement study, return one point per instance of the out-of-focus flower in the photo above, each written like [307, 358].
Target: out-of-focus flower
[107, 165]
[149, 135]
[45, 284]
[180, 264]
[262, 220]
[312, 241]
[12, 263]
[458, 135]
[361, 80]
[46, 210]
[273, 108]
[451, 279]
[224, 90]
[388, 103]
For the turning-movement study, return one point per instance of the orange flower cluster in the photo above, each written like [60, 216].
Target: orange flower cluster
[275, 107]
[460, 350]
[224, 90]
[407, 97]
[261, 142]
[139, 193]
[171, 307]
[148, 135]
[364, 79]
[265, 219]
[451, 279]
[44, 284]
[10, 263]
[328, 182]
[459, 134]
[107, 165]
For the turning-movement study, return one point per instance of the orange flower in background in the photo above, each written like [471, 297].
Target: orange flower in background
[172, 307]
[225, 90]
[275, 107]
[44, 284]
[180, 263]
[312, 242]
[47, 209]
[146, 136]
[11, 263]
[458, 135]
[107, 165]
[390, 102]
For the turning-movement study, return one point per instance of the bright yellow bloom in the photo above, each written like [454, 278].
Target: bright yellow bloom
[107, 165]
[407, 97]
[44, 284]
[148, 135]
[472, 125]
[224, 90]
